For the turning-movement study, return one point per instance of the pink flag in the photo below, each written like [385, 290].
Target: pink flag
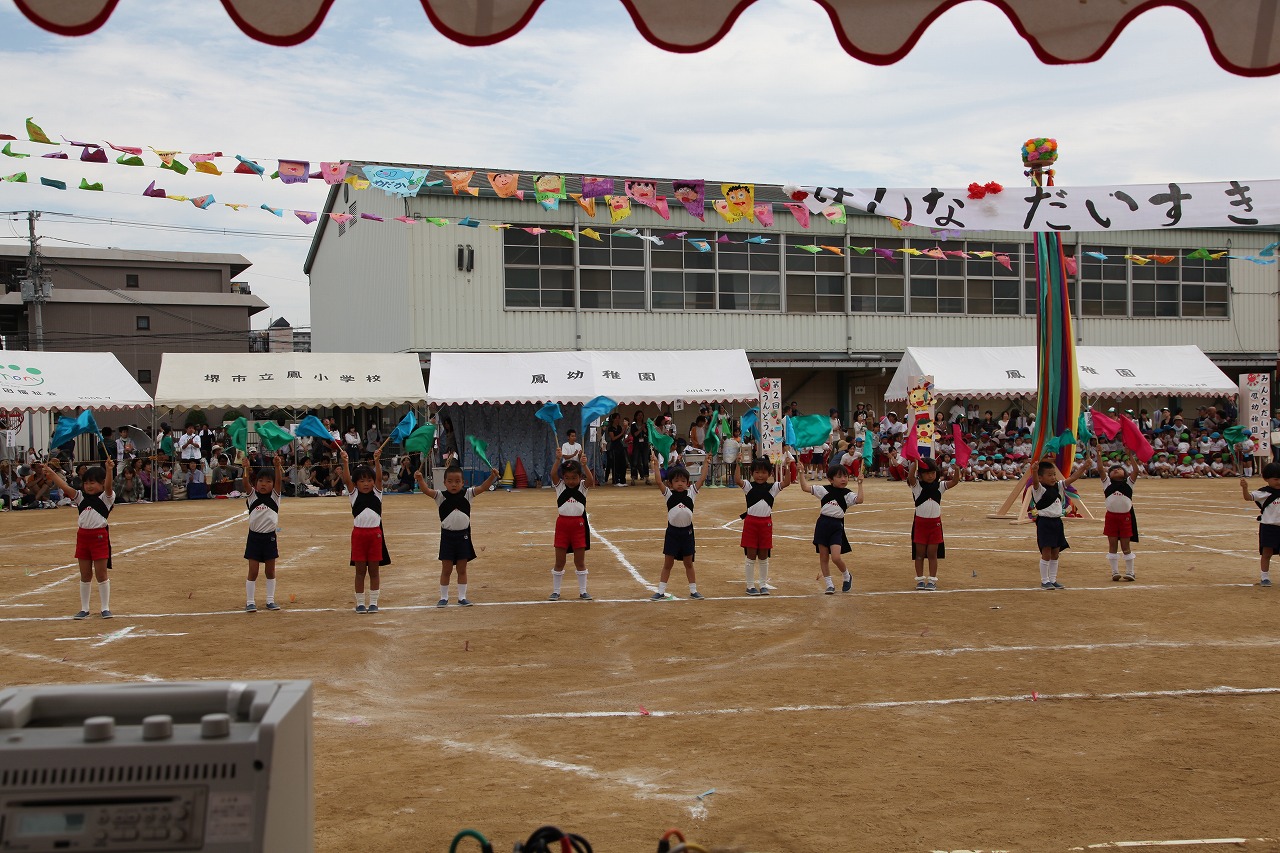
[341, 218]
[801, 214]
[1003, 260]
[660, 207]
[1105, 426]
[911, 448]
[963, 451]
[127, 149]
[1134, 439]
[294, 171]
[204, 158]
[764, 215]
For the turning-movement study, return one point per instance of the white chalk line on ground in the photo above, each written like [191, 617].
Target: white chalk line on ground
[626, 564]
[87, 667]
[1245, 555]
[1182, 842]
[911, 703]
[817, 594]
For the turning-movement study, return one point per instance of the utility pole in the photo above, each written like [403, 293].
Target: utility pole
[35, 287]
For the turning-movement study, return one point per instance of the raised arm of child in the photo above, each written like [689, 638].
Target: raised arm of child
[588, 477]
[489, 481]
[955, 476]
[1079, 472]
[555, 468]
[1137, 469]
[279, 469]
[377, 468]
[1244, 488]
[804, 485]
[422, 484]
[736, 474]
[912, 469]
[345, 471]
[782, 474]
[702, 477]
[53, 475]
[859, 497]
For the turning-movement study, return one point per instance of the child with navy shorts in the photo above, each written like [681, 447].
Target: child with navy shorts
[923, 477]
[757, 521]
[829, 539]
[368, 546]
[456, 548]
[1049, 497]
[572, 533]
[679, 544]
[93, 502]
[263, 499]
[1268, 500]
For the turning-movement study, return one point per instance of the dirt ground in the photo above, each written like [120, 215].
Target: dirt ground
[989, 715]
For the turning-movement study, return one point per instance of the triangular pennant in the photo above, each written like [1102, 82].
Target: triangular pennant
[619, 207]
[85, 185]
[248, 167]
[660, 207]
[204, 158]
[9, 152]
[307, 216]
[341, 218]
[93, 155]
[587, 204]
[35, 134]
[166, 157]
[333, 173]
[57, 155]
[800, 212]
[764, 214]
[835, 214]
[740, 199]
[371, 216]
[468, 222]
[461, 182]
[203, 202]
[693, 195]
[176, 165]
[129, 160]
[505, 184]
[278, 211]
[17, 178]
[293, 171]
[207, 168]
[726, 210]
[591, 232]
[152, 192]
[438, 221]
[407, 220]
[234, 206]
[596, 187]
[50, 182]
[126, 149]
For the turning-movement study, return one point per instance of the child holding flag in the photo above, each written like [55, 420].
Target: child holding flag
[829, 539]
[679, 543]
[368, 548]
[263, 491]
[757, 521]
[93, 502]
[926, 524]
[456, 548]
[571, 482]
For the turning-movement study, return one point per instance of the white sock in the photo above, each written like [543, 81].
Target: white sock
[1114, 560]
[271, 590]
[248, 591]
[693, 587]
[662, 587]
[556, 579]
[1053, 571]
[462, 591]
[359, 599]
[1044, 571]
[1266, 575]
[764, 573]
[1128, 563]
[444, 592]
[582, 581]
[830, 583]
[373, 596]
[750, 571]
[104, 594]
[86, 590]
[847, 576]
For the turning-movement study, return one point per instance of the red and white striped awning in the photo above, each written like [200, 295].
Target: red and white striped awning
[1243, 35]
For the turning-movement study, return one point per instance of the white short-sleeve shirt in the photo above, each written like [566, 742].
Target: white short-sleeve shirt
[930, 508]
[367, 517]
[680, 515]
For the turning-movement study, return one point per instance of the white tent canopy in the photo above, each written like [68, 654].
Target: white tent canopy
[40, 381]
[999, 372]
[629, 378]
[288, 380]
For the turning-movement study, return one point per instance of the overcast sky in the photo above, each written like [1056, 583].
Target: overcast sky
[579, 90]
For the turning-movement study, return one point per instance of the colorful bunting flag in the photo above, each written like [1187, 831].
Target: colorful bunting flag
[800, 212]
[764, 214]
[693, 195]
[835, 214]
[278, 211]
[152, 192]
[35, 134]
[371, 216]
[85, 185]
[9, 152]
[57, 155]
[549, 187]
[813, 250]
[247, 167]
[505, 184]
[294, 171]
[93, 155]
[468, 222]
[835, 250]
[129, 160]
[175, 165]
[596, 187]
[741, 199]
[619, 207]
[204, 158]
[461, 182]
[205, 167]
[1197, 255]
[642, 191]
[568, 235]
[591, 232]
[17, 178]
[722, 207]
[438, 221]
[126, 149]
[166, 157]
[50, 182]
[700, 244]
[660, 207]
[307, 216]
[407, 220]
[587, 204]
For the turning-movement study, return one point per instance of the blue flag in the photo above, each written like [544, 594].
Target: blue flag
[69, 428]
[788, 432]
[751, 423]
[403, 429]
[598, 407]
[550, 412]
[314, 427]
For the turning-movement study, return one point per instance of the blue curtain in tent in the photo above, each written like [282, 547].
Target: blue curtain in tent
[512, 432]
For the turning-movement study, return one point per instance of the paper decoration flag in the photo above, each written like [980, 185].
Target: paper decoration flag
[619, 207]
[722, 207]
[1105, 426]
[341, 218]
[407, 220]
[700, 244]
[911, 447]
[660, 207]
[57, 155]
[166, 157]
[480, 448]
[50, 182]
[9, 152]
[152, 192]
[1163, 259]
[505, 184]
[835, 250]
[461, 182]
[468, 222]
[627, 232]
[1099, 255]
[813, 250]
[757, 239]
[835, 214]
[1070, 264]
[800, 212]
[35, 134]
[17, 178]
[741, 199]
[693, 195]
[587, 204]
[549, 186]
[85, 185]
[642, 191]
[723, 238]
[1197, 255]
[129, 160]
[272, 436]
[248, 167]
[596, 187]
[591, 232]
[179, 198]
[810, 430]
[307, 216]
[313, 427]
[374, 218]
[963, 451]
[438, 221]
[751, 423]
[204, 158]
[93, 155]
[1267, 251]
[1003, 260]
[935, 253]
[394, 181]
[568, 235]
[764, 215]
[204, 202]
[660, 442]
[534, 231]
[278, 211]
[126, 149]
[421, 439]
[238, 432]
[204, 167]
[234, 206]
[549, 203]
[176, 166]
[549, 414]
[333, 173]
[69, 428]
[404, 429]
[294, 171]
[1138, 259]
[598, 407]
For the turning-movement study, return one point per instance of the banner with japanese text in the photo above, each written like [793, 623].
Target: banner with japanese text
[1255, 410]
[771, 425]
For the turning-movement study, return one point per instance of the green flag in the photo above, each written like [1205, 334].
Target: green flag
[1200, 255]
[478, 446]
[85, 185]
[660, 442]
[9, 152]
[1236, 435]
[868, 446]
[1082, 430]
[711, 444]
[272, 435]
[420, 440]
[130, 160]
[239, 433]
[811, 430]
[17, 178]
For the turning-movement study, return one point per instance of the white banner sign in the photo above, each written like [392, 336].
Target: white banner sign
[1255, 410]
[1140, 207]
[771, 427]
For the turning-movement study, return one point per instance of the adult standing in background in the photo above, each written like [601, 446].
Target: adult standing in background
[639, 448]
[372, 438]
[616, 435]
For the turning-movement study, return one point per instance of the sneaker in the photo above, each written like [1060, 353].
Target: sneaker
[585, 596]
[1057, 585]
[106, 614]
[373, 608]
[1046, 585]
[764, 590]
[251, 608]
[1115, 577]
[931, 585]
[847, 585]
[831, 590]
[444, 602]
[271, 605]
[751, 590]
[462, 602]
[920, 583]
[360, 608]
[661, 596]
[83, 614]
[1265, 582]
[555, 596]
[1129, 578]
[697, 595]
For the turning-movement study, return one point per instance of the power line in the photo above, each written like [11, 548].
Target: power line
[161, 226]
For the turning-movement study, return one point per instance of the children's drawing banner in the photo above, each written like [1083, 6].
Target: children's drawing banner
[920, 412]
[771, 426]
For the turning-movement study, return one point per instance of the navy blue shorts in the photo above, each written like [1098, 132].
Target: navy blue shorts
[1269, 537]
[261, 547]
[455, 545]
[1050, 533]
[829, 532]
[678, 542]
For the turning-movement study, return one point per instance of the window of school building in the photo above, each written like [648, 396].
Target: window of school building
[794, 274]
